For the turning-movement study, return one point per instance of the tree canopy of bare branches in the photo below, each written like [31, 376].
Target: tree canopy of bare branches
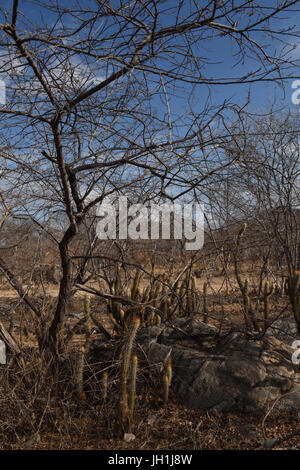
[118, 97]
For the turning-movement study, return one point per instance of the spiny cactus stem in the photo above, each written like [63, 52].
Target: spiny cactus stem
[169, 373]
[205, 286]
[267, 293]
[135, 287]
[243, 286]
[166, 388]
[127, 349]
[117, 281]
[293, 284]
[246, 304]
[80, 367]
[87, 319]
[132, 391]
[104, 380]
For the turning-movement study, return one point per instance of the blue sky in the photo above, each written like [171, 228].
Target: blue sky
[218, 52]
[220, 64]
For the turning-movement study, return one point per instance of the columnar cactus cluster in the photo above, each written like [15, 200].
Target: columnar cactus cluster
[126, 411]
[293, 290]
[132, 389]
[268, 290]
[167, 378]
[162, 302]
[205, 287]
[250, 320]
[83, 350]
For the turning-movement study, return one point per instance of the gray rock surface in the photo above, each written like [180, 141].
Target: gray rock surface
[237, 374]
[284, 329]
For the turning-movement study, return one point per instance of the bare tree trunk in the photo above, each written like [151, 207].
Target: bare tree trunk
[65, 288]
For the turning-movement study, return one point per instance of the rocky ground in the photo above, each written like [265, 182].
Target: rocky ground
[229, 391]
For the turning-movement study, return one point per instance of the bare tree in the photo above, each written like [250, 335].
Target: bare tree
[269, 185]
[103, 97]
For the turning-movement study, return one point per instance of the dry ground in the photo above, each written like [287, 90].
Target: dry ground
[175, 428]
[73, 425]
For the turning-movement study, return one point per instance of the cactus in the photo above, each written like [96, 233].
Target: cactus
[293, 289]
[118, 316]
[193, 293]
[135, 287]
[167, 377]
[87, 320]
[83, 348]
[156, 294]
[114, 307]
[126, 354]
[188, 304]
[267, 292]
[11, 325]
[132, 390]
[164, 308]
[246, 304]
[205, 286]
[168, 370]
[166, 388]
[173, 301]
[248, 313]
[117, 281]
[181, 294]
[146, 294]
[164, 301]
[169, 302]
[79, 374]
[122, 315]
[104, 381]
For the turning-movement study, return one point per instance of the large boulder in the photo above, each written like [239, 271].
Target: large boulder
[235, 372]
[284, 329]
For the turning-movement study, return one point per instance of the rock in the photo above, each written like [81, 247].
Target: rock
[32, 441]
[179, 329]
[239, 374]
[128, 437]
[2, 352]
[248, 432]
[284, 329]
[291, 399]
[151, 420]
[158, 352]
[263, 395]
[269, 443]
[191, 328]
[149, 335]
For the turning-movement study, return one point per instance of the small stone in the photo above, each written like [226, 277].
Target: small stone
[248, 431]
[269, 443]
[128, 437]
[151, 419]
[2, 352]
[268, 359]
[32, 441]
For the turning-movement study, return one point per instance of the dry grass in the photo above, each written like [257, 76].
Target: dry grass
[35, 401]
[65, 424]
